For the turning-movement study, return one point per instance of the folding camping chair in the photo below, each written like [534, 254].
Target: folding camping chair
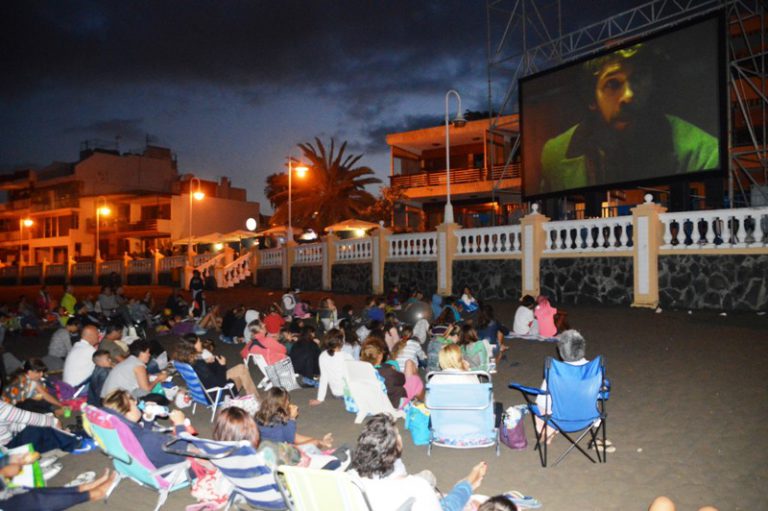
[575, 403]
[128, 457]
[461, 414]
[365, 389]
[240, 464]
[308, 489]
[279, 374]
[209, 398]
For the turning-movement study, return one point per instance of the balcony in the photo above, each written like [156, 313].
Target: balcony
[458, 176]
[142, 227]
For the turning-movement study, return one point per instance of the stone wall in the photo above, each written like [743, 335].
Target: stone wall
[270, 278]
[588, 280]
[489, 279]
[351, 278]
[729, 282]
[307, 277]
[418, 274]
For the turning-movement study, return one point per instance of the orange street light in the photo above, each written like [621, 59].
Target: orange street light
[101, 210]
[301, 171]
[198, 195]
[24, 222]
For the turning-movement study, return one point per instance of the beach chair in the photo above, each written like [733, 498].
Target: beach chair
[128, 457]
[245, 469]
[461, 414]
[261, 363]
[365, 389]
[308, 489]
[575, 398]
[209, 398]
[279, 374]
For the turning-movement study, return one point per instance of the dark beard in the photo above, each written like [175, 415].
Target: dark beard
[641, 151]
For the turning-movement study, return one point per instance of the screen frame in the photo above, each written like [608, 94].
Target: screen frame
[723, 105]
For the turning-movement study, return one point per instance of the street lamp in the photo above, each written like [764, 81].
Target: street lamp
[24, 222]
[301, 171]
[197, 195]
[459, 122]
[101, 210]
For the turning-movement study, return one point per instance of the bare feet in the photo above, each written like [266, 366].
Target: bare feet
[100, 491]
[314, 402]
[476, 475]
[96, 482]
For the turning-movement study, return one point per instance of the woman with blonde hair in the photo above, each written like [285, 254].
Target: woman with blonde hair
[452, 363]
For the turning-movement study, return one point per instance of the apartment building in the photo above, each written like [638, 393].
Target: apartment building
[140, 201]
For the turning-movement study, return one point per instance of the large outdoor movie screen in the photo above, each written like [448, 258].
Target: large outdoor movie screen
[636, 114]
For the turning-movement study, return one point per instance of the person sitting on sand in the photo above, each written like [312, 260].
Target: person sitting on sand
[525, 323]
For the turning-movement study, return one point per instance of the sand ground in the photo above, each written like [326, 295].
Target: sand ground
[687, 414]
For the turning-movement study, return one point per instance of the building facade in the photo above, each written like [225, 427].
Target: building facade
[140, 201]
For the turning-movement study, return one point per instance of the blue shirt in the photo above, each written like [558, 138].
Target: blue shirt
[279, 432]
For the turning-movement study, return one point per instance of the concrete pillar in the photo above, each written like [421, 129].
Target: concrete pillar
[379, 246]
[648, 237]
[446, 249]
[157, 256]
[329, 258]
[254, 264]
[533, 244]
[289, 256]
[126, 259]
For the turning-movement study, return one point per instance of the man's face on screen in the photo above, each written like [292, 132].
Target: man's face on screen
[618, 90]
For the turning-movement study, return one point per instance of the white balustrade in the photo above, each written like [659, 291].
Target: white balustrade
[719, 228]
[56, 270]
[85, 268]
[501, 240]
[108, 267]
[141, 266]
[360, 249]
[309, 254]
[592, 235]
[209, 263]
[422, 245]
[201, 259]
[271, 257]
[236, 271]
[171, 262]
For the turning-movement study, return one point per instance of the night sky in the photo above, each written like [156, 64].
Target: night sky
[232, 86]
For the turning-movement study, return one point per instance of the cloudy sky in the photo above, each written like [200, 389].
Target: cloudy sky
[232, 86]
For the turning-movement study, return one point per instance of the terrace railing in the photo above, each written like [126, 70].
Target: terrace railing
[354, 250]
[593, 235]
[309, 254]
[141, 266]
[169, 263]
[488, 241]
[271, 257]
[718, 229]
[422, 245]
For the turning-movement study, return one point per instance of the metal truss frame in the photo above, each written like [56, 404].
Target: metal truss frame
[526, 36]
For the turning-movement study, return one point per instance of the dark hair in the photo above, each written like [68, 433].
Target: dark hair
[372, 348]
[34, 364]
[333, 340]
[498, 503]
[113, 327]
[528, 301]
[235, 424]
[485, 316]
[390, 321]
[307, 334]
[377, 447]
[185, 351]
[99, 353]
[467, 336]
[73, 321]
[138, 346]
[446, 317]
[405, 335]
[274, 408]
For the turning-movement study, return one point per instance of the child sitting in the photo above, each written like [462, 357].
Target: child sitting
[104, 365]
[525, 322]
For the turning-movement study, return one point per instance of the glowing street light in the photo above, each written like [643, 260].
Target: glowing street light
[459, 122]
[301, 171]
[101, 210]
[24, 222]
[198, 195]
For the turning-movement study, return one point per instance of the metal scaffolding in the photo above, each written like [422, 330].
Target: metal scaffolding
[525, 37]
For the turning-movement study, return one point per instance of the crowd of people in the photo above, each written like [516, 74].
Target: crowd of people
[109, 346]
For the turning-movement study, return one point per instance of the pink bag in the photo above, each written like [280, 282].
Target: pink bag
[513, 437]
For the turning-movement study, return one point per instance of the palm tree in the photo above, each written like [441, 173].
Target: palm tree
[333, 190]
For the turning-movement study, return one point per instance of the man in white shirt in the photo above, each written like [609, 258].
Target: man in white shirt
[79, 365]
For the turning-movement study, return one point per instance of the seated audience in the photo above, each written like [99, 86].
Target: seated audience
[305, 356]
[468, 301]
[545, 317]
[408, 352]
[19, 427]
[61, 344]
[260, 343]
[212, 370]
[379, 447]
[327, 313]
[525, 322]
[79, 363]
[67, 303]
[131, 375]
[449, 336]
[112, 343]
[273, 321]
[452, 362]
[331, 364]
[474, 350]
[107, 302]
[124, 406]
[489, 329]
[391, 330]
[27, 389]
[232, 326]
[176, 304]
[104, 365]
[374, 351]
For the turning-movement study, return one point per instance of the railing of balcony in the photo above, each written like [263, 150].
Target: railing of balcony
[438, 177]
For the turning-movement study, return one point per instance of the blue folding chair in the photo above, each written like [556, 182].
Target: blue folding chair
[575, 403]
[208, 398]
[253, 480]
[461, 414]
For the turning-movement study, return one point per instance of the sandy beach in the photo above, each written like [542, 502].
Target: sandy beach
[687, 415]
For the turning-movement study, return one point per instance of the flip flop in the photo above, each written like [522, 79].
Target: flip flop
[609, 447]
[47, 461]
[84, 478]
[522, 501]
[50, 471]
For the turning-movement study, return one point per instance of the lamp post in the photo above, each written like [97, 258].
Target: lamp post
[23, 222]
[101, 210]
[301, 170]
[459, 122]
[197, 195]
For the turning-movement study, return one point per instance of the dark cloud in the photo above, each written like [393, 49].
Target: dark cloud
[129, 129]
